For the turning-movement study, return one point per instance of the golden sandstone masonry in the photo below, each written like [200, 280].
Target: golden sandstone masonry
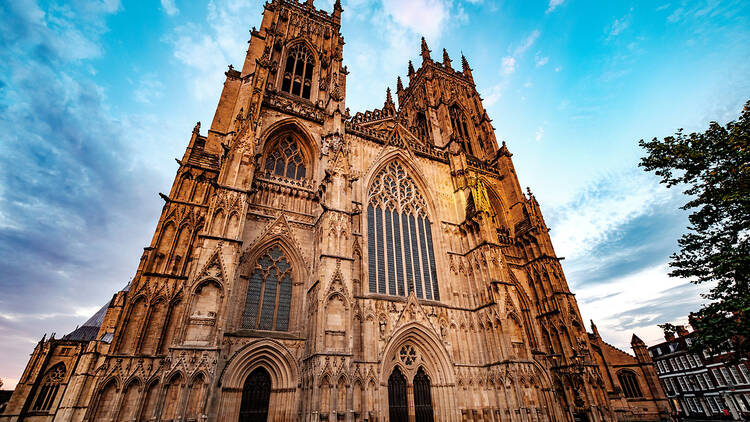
[314, 265]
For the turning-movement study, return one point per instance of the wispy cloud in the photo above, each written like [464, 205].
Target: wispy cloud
[527, 43]
[539, 133]
[508, 65]
[618, 26]
[169, 7]
[553, 4]
[69, 174]
[541, 60]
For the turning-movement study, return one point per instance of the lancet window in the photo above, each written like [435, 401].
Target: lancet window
[423, 130]
[298, 72]
[269, 293]
[286, 159]
[460, 127]
[399, 237]
[629, 384]
[48, 389]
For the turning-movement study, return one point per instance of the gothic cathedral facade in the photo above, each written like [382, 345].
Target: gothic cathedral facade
[314, 265]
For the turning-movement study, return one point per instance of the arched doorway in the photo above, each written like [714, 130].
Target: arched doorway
[255, 395]
[422, 397]
[398, 409]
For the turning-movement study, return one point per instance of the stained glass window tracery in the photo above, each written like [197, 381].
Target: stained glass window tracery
[400, 250]
[286, 159]
[269, 293]
[49, 387]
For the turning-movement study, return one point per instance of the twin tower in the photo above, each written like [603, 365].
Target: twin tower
[313, 265]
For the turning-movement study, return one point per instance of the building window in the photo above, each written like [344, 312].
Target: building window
[298, 72]
[725, 373]
[48, 388]
[708, 380]
[629, 384]
[460, 128]
[719, 379]
[286, 159]
[399, 237]
[423, 128]
[269, 293]
[736, 376]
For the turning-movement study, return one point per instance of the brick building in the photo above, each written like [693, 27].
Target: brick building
[311, 264]
[701, 386]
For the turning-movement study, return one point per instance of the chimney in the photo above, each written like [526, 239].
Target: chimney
[682, 331]
[668, 335]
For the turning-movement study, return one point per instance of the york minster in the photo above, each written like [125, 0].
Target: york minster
[313, 263]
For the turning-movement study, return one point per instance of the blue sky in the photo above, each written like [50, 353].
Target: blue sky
[97, 97]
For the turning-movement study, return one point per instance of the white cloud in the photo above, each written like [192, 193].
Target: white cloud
[527, 43]
[598, 212]
[492, 96]
[553, 5]
[539, 133]
[508, 65]
[169, 7]
[558, 68]
[425, 17]
[541, 61]
[208, 51]
[149, 88]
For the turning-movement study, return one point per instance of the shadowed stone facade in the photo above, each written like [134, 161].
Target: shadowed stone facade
[313, 265]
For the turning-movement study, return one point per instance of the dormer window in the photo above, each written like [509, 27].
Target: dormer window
[298, 72]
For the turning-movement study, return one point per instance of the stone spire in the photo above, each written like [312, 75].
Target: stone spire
[425, 52]
[337, 9]
[388, 98]
[465, 67]
[594, 329]
[446, 59]
[399, 85]
[411, 70]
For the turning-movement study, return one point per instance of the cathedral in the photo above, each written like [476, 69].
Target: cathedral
[312, 264]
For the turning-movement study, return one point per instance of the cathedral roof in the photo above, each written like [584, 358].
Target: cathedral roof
[90, 328]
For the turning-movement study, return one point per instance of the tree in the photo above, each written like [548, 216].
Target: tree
[714, 167]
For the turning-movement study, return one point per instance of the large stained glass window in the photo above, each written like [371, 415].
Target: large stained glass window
[286, 159]
[269, 293]
[399, 237]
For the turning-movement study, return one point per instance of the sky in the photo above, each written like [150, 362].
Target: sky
[97, 98]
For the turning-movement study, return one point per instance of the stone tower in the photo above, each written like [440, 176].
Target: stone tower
[310, 265]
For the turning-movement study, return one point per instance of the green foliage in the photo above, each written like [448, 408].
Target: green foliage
[714, 167]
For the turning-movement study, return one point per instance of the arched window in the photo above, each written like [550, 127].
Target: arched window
[460, 127]
[298, 72]
[399, 237]
[269, 293]
[49, 387]
[423, 128]
[629, 384]
[286, 159]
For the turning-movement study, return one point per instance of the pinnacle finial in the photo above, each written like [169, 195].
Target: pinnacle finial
[425, 51]
[337, 5]
[388, 97]
[465, 63]
[399, 84]
[197, 128]
[446, 59]
[309, 3]
[411, 69]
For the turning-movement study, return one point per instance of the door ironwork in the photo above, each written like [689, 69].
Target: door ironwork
[255, 396]
[397, 405]
[422, 397]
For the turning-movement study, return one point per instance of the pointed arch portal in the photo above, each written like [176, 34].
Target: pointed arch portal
[255, 397]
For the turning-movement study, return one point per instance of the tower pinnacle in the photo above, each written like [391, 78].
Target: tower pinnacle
[425, 51]
[446, 59]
